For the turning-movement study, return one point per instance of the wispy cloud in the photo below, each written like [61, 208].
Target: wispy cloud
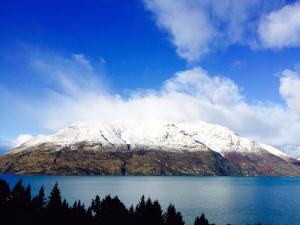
[191, 95]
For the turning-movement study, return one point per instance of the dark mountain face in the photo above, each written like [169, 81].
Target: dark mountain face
[77, 161]
[92, 159]
[263, 164]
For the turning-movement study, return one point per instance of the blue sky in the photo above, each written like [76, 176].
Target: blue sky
[234, 63]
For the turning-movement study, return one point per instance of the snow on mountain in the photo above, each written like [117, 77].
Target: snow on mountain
[159, 134]
[292, 150]
[275, 151]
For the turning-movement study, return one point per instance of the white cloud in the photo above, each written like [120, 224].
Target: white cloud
[22, 138]
[190, 95]
[188, 25]
[289, 89]
[197, 27]
[281, 28]
[7, 145]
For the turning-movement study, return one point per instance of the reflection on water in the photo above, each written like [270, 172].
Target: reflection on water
[236, 200]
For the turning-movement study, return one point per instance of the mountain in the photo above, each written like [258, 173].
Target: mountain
[147, 148]
[292, 150]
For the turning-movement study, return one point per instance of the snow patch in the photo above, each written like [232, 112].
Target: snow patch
[161, 134]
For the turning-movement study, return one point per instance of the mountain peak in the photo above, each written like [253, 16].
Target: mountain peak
[165, 135]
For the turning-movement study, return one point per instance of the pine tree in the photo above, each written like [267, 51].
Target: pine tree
[27, 196]
[148, 213]
[172, 217]
[4, 202]
[131, 215]
[96, 204]
[65, 205]
[19, 202]
[110, 207]
[4, 191]
[141, 204]
[140, 207]
[140, 210]
[156, 212]
[201, 220]
[55, 203]
[17, 195]
[18, 192]
[38, 207]
[39, 201]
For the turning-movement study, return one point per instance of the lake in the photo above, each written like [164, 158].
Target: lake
[235, 200]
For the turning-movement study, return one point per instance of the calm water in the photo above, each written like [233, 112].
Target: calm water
[236, 200]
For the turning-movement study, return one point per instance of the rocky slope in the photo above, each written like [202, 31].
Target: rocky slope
[147, 148]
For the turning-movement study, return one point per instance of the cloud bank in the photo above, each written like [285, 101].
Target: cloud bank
[72, 90]
[79, 94]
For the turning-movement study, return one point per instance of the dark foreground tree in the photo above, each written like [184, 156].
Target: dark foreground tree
[148, 213]
[172, 217]
[201, 220]
[111, 211]
[4, 201]
[55, 213]
[18, 208]
[55, 202]
[38, 207]
[39, 201]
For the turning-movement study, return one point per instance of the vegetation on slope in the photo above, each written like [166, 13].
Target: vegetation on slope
[91, 159]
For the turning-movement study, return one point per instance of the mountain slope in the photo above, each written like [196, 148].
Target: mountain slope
[292, 150]
[149, 148]
[103, 162]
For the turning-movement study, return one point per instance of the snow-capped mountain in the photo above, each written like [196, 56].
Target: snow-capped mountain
[147, 148]
[162, 135]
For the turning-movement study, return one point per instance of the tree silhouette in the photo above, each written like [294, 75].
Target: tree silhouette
[4, 201]
[38, 206]
[18, 208]
[55, 213]
[131, 215]
[19, 202]
[55, 202]
[78, 213]
[201, 220]
[17, 195]
[39, 201]
[4, 191]
[148, 213]
[140, 211]
[109, 208]
[172, 217]
[156, 212]
[96, 205]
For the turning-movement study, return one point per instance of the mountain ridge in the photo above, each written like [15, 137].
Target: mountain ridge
[200, 145]
[155, 133]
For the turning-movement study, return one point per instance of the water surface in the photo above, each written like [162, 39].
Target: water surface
[235, 200]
